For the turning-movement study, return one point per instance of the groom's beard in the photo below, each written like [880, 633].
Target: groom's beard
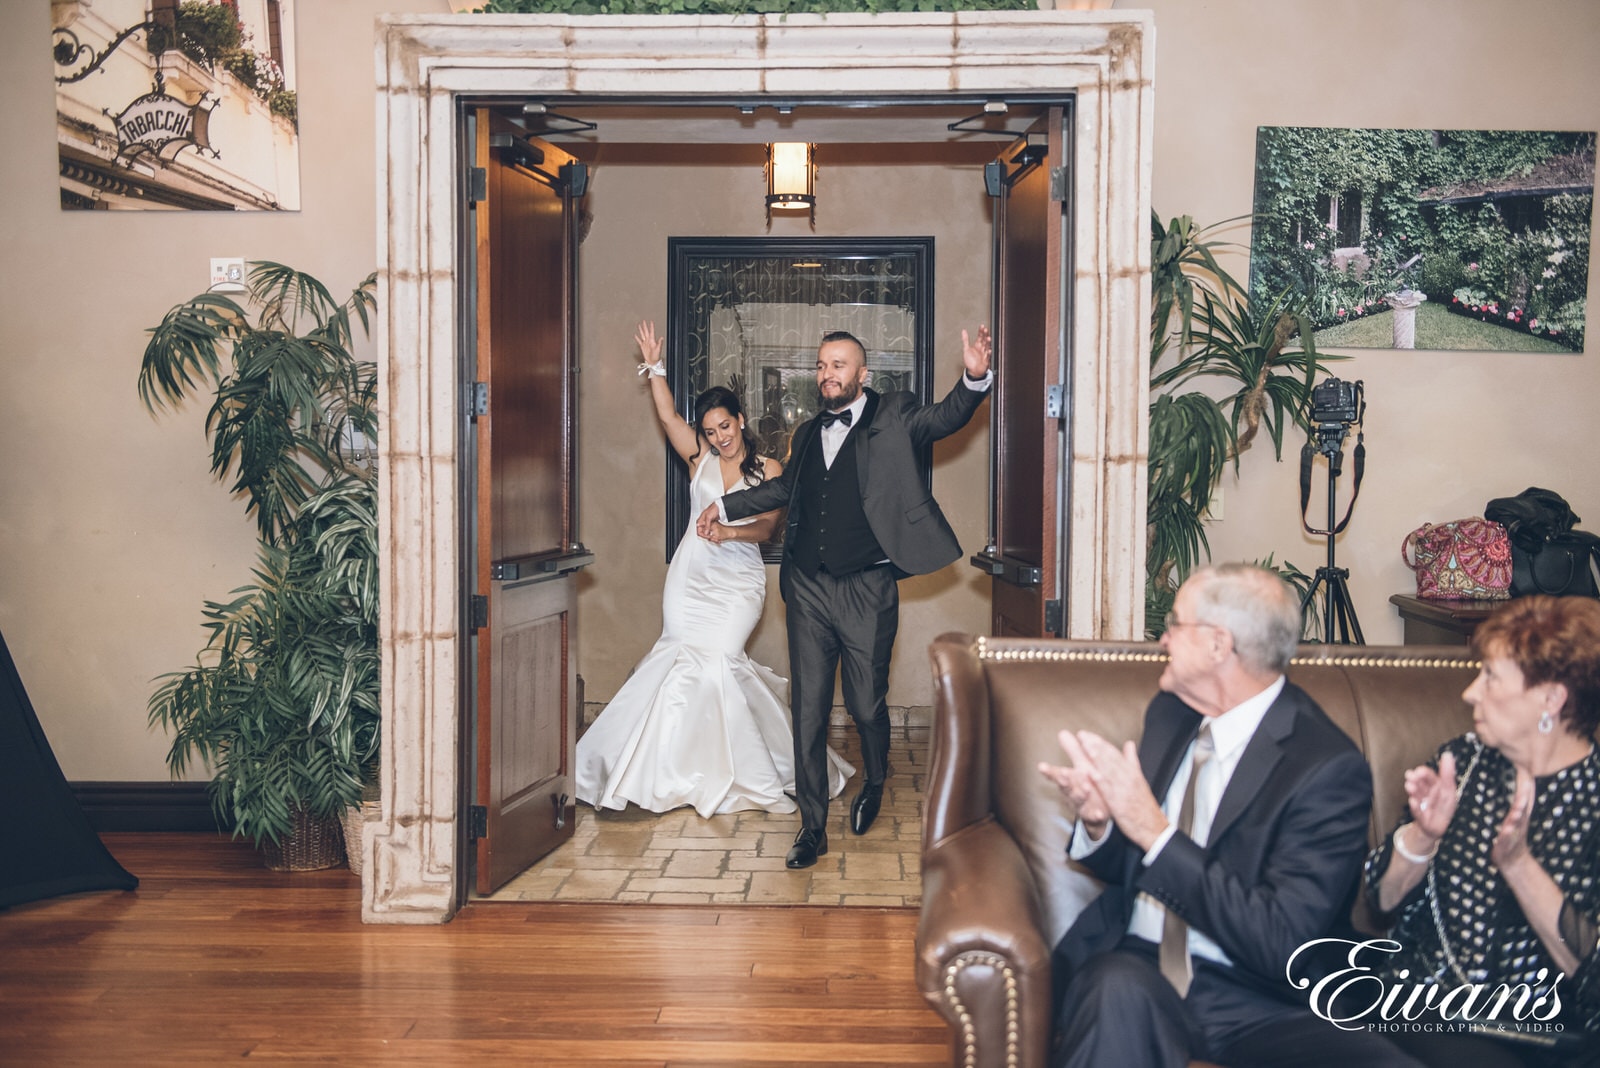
[848, 392]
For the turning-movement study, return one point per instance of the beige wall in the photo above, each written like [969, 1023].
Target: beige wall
[112, 531]
[623, 268]
[1445, 432]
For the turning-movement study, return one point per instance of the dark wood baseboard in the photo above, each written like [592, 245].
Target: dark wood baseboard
[146, 806]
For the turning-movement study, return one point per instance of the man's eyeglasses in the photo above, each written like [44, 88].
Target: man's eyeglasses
[1171, 622]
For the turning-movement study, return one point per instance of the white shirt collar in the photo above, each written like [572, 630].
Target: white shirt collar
[1232, 731]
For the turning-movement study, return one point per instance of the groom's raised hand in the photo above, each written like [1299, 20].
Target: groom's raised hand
[976, 354]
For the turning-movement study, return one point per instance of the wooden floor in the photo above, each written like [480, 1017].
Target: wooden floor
[214, 959]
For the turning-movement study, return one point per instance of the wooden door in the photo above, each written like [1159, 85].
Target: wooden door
[1030, 402]
[526, 549]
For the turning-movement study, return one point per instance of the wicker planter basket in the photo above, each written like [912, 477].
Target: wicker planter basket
[313, 842]
[353, 820]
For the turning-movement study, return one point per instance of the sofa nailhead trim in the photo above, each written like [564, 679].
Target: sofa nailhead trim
[952, 972]
[1123, 656]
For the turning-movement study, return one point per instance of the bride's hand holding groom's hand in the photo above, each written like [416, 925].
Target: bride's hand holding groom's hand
[706, 525]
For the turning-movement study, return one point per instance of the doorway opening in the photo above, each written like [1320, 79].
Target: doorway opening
[432, 66]
[600, 192]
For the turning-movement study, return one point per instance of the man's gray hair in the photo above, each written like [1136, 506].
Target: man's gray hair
[1254, 605]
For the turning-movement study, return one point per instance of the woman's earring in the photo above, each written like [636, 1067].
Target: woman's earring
[1547, 722]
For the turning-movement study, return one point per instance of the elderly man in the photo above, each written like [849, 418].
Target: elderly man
[1232, 834]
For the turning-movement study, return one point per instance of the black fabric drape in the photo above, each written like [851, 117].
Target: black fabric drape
[46, 844]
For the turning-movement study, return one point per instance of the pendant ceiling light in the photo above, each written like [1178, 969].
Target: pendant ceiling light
[791, 178]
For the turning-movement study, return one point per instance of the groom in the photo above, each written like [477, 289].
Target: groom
[859, 520]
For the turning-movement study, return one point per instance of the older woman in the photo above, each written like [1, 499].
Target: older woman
[1494, 870]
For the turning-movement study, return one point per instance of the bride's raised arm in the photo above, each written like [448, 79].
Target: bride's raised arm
[680, 435]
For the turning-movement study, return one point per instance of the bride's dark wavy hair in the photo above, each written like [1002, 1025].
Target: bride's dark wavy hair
[722, 397]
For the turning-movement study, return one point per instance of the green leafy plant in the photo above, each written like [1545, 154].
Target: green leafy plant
[213, 36]
[1204, 325]
[206, 33]
[282, 702]
[284, 102]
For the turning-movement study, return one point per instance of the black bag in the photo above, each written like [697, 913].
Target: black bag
[1564, 566]
[1547, 555]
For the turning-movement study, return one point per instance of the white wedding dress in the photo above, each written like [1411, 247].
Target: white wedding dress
[698, 722]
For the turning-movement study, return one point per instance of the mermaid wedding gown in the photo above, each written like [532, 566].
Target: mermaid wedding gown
[698, 722]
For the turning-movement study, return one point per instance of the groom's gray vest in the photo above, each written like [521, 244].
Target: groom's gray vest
[833, 532]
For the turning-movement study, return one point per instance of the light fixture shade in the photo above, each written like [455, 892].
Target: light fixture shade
[790, 176]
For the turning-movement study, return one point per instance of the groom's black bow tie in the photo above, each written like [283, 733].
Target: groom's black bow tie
[845, 417]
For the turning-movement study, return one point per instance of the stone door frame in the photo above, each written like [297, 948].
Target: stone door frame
[425, 63]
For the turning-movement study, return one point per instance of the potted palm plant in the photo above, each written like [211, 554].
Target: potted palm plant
[282, 702]
[1264, 352]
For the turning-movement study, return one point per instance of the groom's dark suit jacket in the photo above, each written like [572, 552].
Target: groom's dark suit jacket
[1284, 851]
[903, 515]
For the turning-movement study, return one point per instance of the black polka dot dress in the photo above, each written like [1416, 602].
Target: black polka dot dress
[1462, 924]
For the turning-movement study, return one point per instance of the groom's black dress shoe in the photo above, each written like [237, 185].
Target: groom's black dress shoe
[865, 807]
[808, 845]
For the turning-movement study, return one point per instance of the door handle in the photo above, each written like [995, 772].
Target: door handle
[1007, 570]
[542, 565]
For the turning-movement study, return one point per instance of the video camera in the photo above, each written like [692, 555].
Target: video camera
[1337, 404]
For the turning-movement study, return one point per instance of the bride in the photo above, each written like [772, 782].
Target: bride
[698, 722]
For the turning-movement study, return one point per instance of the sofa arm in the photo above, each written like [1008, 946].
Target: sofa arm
[981, 960]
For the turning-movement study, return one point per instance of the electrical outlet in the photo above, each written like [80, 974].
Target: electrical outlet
[227, 274]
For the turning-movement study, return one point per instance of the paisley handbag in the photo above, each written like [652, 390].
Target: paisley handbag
[1463, 560]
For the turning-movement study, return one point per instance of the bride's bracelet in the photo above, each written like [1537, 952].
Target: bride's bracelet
[1415, 858]
[655, 370]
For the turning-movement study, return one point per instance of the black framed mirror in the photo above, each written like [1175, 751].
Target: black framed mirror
[749, 313]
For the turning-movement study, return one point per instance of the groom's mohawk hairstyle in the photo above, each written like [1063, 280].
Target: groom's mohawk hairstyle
[845, 335]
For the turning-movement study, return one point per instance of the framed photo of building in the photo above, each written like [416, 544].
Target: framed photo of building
[176, 105]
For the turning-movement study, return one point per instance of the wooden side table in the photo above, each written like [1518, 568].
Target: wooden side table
[1429, 622]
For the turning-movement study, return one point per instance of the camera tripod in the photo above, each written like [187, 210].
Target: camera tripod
[1338, 611]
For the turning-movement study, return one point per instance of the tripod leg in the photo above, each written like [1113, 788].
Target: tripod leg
[1311, 591]
[1348, 624]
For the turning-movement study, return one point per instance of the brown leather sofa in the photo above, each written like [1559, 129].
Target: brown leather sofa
[997, 891]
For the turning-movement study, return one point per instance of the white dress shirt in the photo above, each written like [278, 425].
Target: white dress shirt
[1230, 734]
[832, 435]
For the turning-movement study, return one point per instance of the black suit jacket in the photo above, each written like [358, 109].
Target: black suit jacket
[903, 515]
[1284, 850]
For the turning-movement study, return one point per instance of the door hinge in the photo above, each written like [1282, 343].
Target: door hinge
[477, 822]
[478, 400]
[1052, 618]
[478, 605]
[1058, 184]
[477, 185]
[1055, 402]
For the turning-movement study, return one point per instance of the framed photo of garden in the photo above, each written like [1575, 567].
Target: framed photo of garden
[1427, 239]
